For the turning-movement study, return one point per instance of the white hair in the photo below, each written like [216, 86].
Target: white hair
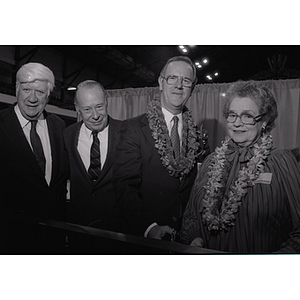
[31, 72]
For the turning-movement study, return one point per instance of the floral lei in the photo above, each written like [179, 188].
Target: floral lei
[188, 154]
[220, 216]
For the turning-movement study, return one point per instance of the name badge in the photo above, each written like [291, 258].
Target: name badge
[264, 178]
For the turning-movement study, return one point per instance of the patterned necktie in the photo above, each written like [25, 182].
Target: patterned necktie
[95, 165]
[175, 138]
[37, 146]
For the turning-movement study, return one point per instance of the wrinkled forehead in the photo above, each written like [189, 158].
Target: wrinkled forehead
[35, 84]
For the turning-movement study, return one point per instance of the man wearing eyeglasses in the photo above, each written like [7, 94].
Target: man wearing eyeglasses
[157, 154]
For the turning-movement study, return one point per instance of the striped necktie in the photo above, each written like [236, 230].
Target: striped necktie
[37, 146]
[175, 138]
[95, 162]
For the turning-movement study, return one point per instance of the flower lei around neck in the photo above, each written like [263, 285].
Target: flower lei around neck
[219, 211]
[160, 133]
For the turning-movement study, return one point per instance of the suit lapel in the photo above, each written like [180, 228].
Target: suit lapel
[54, 145]
[78, 161]
[113, 138]
[13, 129]
[182, 183]
[146, 130]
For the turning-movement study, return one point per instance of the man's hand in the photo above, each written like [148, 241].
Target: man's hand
[157, 232]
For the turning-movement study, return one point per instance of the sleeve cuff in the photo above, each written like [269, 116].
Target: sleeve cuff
[149, 228]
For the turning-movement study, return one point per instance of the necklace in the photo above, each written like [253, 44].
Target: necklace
[219, 211]
[190, 136]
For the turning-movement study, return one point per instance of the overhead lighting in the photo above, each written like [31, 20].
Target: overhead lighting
[212, 77]
[198, 65]
[183, 48]
[71, 88]
[205, 61]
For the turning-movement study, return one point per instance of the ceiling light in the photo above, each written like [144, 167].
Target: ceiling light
[199, 66]
[208, 77]
[216, 74]
[183, 48]
[71, 88]
[205, 61]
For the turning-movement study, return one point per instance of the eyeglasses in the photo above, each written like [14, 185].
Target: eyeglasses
[246, 119]
[172, 80]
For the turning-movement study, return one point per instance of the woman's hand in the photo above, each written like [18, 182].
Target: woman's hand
[197, 242]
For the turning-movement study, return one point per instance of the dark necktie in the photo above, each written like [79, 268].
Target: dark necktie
[37, 146]
[95, 165]
[175, 138]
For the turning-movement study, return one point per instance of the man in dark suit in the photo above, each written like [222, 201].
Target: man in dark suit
[157, 154]
[33, 167]
[91, 146]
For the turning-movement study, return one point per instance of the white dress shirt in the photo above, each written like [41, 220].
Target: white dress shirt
[42, 131]
[168, 118]
[85, 140]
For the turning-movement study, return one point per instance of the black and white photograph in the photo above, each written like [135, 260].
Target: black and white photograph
[135, 164]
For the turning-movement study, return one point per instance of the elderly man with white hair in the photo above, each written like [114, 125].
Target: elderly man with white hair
[33, 166]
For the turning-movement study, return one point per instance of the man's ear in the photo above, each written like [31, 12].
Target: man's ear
[17, 88]
[76, 107]
[160, 80]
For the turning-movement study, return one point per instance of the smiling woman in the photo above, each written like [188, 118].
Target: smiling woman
[244, 123]
[245, 197]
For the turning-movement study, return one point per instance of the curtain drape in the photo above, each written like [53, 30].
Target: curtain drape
[206, 105]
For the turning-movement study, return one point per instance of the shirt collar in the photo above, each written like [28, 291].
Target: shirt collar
[169, 116]
[102, 134]
[23, 121]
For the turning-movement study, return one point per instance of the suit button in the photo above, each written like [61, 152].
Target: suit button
[174, 219]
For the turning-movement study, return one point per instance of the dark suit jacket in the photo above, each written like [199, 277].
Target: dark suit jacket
[24, 190]
[145, 191]
[93, 204]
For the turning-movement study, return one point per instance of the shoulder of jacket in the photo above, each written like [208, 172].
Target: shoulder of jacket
[72, 127]
[137, 119]
[114, 122]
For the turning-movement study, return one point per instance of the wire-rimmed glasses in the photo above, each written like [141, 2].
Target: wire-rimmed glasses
[172, 80]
